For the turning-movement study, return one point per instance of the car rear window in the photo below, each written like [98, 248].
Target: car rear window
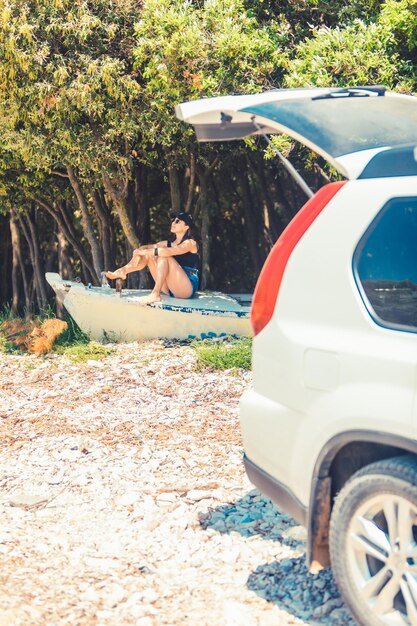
[385, 265]
[344, 125]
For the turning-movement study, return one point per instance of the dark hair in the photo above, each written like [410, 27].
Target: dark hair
[192, 232]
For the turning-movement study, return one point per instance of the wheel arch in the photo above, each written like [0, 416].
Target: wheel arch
[340, 458]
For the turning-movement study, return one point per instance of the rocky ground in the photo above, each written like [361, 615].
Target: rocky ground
[123, 500]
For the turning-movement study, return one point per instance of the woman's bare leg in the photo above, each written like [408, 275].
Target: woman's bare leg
[153, 268]
[136, 263]
[177, 280]
[159, 270]
[168, 276]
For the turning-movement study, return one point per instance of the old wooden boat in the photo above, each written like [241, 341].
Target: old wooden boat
[103, 313]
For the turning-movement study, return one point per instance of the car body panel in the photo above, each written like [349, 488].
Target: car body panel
[322, 365]
[334, 123]
[335, 348]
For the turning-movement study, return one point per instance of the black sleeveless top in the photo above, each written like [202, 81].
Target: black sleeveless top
[189, 259]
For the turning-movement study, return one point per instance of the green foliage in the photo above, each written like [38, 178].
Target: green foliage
[5, 346]
[77, 346]
[84, 84]
[399, 18]
[283, 143]
[355, 55]
[303, 15]
[361, 53]
[93, 85]
[5, 313]
[221, 355]
[73, 335]
[186, 50]
[68, 88]
[81, 351]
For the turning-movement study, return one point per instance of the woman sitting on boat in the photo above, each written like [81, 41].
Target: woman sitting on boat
[173, 263]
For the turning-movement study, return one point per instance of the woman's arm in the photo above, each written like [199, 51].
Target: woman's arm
[189, 245]
[151, 246]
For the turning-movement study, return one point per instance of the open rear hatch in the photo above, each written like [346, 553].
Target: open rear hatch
[349, 127]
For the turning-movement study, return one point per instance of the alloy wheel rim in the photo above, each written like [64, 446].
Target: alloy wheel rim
[382, 558]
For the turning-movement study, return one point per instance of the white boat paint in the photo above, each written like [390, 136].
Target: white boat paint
[101, 313]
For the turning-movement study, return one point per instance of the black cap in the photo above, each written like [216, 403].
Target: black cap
[184, 217]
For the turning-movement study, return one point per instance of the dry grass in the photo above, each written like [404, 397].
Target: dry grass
[33, 336]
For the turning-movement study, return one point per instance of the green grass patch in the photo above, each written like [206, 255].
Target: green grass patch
[5, 346]
[4, 314]
[82, 352]
[73, 336]
[223, 355]
[77, 346]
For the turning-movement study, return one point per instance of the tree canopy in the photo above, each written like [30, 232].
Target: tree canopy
[92, 156]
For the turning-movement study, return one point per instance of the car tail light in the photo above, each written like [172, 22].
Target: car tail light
[269, 281]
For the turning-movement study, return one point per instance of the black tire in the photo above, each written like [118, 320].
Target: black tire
[390, 481]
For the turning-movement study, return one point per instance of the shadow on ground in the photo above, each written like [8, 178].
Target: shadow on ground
[286, 583]
[289, 585]
[254, 515]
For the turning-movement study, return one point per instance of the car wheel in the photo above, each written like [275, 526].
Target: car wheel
[373, 543]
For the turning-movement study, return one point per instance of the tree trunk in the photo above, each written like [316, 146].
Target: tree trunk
[87, 224]
[141, 195]
[86, 276]
[18, 246]
[143, 220]
[253, 228]
[204, 210]
[105, 229]
[60, 215]
[174, 187]
[112, 234]
[276, 225]
[51, 255]
[65, 216]
[28, 227]
[65, 263]
[206, 277]
[14, 233]
[191, 183]
[5, 260]
[38, 265]
[119, 200]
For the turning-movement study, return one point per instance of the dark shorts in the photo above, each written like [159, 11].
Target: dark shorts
[192, 274]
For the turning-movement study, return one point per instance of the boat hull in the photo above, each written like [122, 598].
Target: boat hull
[102, 314]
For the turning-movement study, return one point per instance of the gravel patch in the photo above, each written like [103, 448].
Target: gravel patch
[123, 500]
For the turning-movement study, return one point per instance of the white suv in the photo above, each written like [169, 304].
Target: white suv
[329, 426]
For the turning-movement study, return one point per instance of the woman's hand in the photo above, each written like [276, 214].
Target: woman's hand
[148, 249]
[142, 251]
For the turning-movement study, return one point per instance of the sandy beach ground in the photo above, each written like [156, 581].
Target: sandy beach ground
[123, 500]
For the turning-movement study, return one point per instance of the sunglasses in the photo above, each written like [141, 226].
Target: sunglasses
[176, 220]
